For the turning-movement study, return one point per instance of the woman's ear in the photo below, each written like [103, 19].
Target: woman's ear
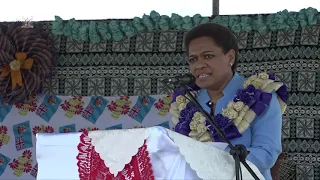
[231, 56]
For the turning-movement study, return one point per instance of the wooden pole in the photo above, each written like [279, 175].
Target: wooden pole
[215, 7]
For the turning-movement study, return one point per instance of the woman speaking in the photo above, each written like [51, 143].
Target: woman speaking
[249, 111]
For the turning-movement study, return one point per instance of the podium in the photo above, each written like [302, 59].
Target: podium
[132, 154]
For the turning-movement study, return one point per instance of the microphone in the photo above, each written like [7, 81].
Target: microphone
[186, 79]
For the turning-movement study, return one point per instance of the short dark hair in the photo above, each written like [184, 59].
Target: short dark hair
[222, 36]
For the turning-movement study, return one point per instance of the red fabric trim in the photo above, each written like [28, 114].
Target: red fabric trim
[92, 167]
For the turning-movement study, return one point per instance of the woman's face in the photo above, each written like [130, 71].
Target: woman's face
[209, 64]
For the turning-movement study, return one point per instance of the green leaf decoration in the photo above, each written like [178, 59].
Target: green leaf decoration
[116, 30]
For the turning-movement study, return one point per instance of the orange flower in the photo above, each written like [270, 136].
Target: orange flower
[15, 66]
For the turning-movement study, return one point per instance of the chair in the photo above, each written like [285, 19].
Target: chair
[275, 170]
[283, 169]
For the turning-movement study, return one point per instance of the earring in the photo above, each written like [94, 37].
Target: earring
[231, 64]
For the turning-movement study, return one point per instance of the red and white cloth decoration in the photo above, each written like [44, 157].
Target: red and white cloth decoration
[92, 167]
[132, 154]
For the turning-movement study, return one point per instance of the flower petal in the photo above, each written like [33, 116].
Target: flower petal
[5, 72]
[27, 64]
[21, 56]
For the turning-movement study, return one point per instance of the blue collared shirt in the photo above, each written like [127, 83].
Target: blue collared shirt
[263, 137]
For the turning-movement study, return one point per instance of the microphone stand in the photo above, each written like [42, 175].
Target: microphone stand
[239, 151]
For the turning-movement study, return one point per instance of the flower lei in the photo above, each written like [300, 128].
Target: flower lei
[250, 101]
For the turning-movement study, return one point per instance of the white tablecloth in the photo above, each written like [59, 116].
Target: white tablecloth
[172, 155]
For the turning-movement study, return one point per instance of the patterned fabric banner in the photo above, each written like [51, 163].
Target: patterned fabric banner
[61, 114]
